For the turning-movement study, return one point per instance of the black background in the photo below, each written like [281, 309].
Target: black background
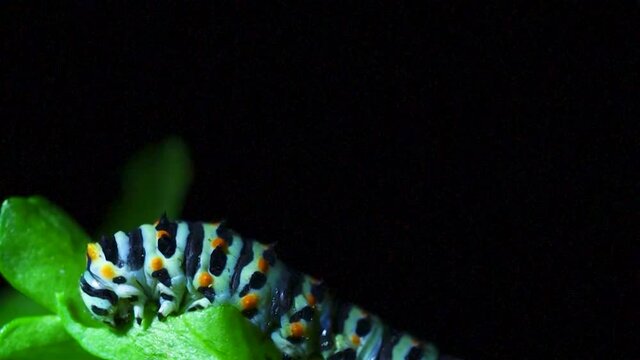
[440, 166]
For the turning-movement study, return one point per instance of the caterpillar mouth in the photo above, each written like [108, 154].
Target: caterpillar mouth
[121, 320]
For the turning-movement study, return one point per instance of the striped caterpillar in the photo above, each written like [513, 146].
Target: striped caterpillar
[187, 266]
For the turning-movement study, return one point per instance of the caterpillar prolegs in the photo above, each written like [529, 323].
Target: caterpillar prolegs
[187, 266]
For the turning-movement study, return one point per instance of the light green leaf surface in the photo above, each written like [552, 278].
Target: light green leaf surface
[42, 250]
[155, 180]
[217, 333]
[41, 337]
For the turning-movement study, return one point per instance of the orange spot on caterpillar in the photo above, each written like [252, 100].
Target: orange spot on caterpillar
[311, 300]
[297, 329]
[92, 251]
[263, 265]
[204, 280]
[162, 233]
[249, 301]
[355, 339]
[107, 272]
[220, 242]
[156, 263]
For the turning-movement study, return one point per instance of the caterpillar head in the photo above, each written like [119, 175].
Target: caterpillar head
[96, 286]
[101, 301]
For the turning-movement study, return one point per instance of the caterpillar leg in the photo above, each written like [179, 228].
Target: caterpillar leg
[138, 311]
[292, 348]
[170, 296]
[166, 308]
[357, 333]
[199, 304]
[136, 297]
[295, 331]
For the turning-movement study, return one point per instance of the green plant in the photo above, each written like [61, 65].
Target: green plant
[42, 256]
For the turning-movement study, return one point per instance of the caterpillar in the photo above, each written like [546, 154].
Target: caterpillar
[188, 266]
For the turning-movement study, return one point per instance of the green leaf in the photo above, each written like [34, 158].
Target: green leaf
[155, 180]
[13, 304]
[41, 337]
[42, 250]
[217, 333]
